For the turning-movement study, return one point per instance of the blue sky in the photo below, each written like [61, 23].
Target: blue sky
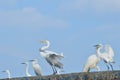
[72, 27]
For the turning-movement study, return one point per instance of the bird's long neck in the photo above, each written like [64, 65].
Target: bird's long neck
[34, 62]
[43, 54]
[42, 50]
[98, 51]
[46, 47]
[8, 74]
[27, 66]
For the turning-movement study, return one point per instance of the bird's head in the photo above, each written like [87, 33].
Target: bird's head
[44, 41]
[6, 71]
[25, 63]
[33, 60]
[98, 45]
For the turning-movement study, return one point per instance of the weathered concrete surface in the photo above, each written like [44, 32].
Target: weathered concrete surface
[104, 75]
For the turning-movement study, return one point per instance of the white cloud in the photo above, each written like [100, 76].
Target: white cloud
[28, 17]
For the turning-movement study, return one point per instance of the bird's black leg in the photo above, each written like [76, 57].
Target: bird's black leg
[53, 70]
[88, 70]
[107, 66]
[111, 66]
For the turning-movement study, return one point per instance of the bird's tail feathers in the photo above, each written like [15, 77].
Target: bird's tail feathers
[62, 55]
[59, 65]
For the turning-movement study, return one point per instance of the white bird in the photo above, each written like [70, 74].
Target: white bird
[8, 73]
[107, 56]
[92, 61]
[36, 67]
[51, 57]
[27, 66]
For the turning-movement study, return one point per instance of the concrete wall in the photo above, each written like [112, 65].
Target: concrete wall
[104, 75]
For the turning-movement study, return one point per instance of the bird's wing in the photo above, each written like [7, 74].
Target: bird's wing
[55, 57]
[37, 70]
[54, 54]
[59, 65]
[109, 50]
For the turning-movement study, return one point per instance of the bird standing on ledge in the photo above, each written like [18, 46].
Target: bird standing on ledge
[51, 57]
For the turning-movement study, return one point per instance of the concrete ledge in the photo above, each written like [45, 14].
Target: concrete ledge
[103, 75]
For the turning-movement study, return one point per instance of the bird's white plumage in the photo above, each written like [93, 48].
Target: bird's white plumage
[57, 55]
[8, 73]
[27, 67]
[109, 50]
[51, 57]
[93, 60]
[91, 63]
[107, 55]
[54, 55]
[36, 67]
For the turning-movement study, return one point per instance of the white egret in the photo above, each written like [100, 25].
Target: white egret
[51, 57]
[27, 66]
[8, 73]
[92, 61]
[36, 67]
[107, 56]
